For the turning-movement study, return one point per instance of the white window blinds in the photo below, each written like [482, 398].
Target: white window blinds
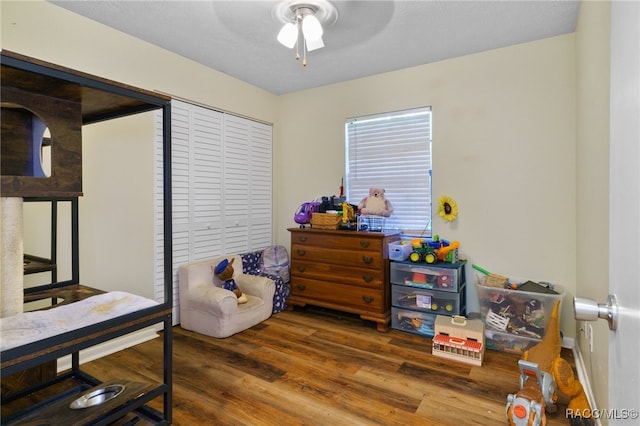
[393, 151]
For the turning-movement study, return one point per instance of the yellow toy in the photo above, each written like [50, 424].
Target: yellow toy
[348, 215]
[542, 371]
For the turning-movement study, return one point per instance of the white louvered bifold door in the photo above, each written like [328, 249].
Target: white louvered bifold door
[221, 183]
[205, 182]
[261, 189]
[247, 184]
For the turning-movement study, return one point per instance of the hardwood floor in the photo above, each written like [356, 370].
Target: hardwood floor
[315, 367]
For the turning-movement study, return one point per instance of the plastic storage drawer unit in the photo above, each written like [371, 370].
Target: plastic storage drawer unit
[415, 322]
[435, 302]
[441, 276]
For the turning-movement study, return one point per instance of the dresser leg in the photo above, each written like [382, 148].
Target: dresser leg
[382, 324]
[382, 327]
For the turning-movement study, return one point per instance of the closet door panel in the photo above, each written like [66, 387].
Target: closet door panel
[261, 190]
[236, 177]
[206, 169]
[221, 183]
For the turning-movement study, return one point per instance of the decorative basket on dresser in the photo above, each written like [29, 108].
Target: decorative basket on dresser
[343, 270]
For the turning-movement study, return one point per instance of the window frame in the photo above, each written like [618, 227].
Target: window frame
[403, 140]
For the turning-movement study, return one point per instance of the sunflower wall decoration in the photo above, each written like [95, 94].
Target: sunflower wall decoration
[448, 210]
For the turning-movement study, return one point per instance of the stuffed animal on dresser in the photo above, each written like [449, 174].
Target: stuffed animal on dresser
[224, 272]
[375, 204]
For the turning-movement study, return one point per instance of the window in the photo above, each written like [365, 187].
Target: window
[393, 151]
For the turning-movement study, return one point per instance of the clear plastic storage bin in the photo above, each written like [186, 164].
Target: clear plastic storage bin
[399, 251]
[506, 342]
[519, 312]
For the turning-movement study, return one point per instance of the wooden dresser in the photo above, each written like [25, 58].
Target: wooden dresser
[343, 270]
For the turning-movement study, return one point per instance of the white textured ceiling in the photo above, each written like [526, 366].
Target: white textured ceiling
[369, 37]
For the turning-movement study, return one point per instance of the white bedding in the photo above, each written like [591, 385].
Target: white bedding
[29, 327]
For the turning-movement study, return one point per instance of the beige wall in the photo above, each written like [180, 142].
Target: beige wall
[116, 223]
[504, 139]
[592, 244]
[504, 148]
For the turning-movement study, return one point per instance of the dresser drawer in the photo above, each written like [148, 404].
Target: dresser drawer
[341, 256]
[348, 241]
[338, 273]
[346, 296]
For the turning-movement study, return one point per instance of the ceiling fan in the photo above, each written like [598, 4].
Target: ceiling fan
[303, 22]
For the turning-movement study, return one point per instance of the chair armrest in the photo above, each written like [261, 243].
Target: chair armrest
[261, 287]
[213, 299]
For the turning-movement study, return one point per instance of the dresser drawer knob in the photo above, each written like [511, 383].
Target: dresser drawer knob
[300, 287]
[301, 268]
[367, 259]
[302, 252]
[367, 299]
[303, 239]
[367, 278]
[364, 244]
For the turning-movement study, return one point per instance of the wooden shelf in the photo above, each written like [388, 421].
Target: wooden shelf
[65, 100]
[64, 294]
[56, 409]
[100, 98]
[35, 264]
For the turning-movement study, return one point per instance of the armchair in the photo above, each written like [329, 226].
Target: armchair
[207, 308]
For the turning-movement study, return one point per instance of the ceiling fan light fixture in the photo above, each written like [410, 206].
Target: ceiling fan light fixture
[288, 35]
[311, 28]
[303, 21]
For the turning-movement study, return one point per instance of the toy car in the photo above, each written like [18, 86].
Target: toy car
[434, 250]
[304, 212]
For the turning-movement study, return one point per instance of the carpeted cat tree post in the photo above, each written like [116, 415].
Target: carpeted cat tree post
[11, 257]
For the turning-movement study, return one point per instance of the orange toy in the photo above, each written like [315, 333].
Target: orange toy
[542, 371]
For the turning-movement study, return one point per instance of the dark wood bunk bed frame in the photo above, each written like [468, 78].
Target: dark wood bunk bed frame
[67, 99]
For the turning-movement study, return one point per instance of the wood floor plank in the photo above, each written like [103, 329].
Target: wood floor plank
[316, 367]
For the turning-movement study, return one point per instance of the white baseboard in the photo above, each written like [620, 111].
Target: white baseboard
[109, 347]
[584, 380]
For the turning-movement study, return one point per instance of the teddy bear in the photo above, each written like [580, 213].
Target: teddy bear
[375, 204]
[224, 272]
